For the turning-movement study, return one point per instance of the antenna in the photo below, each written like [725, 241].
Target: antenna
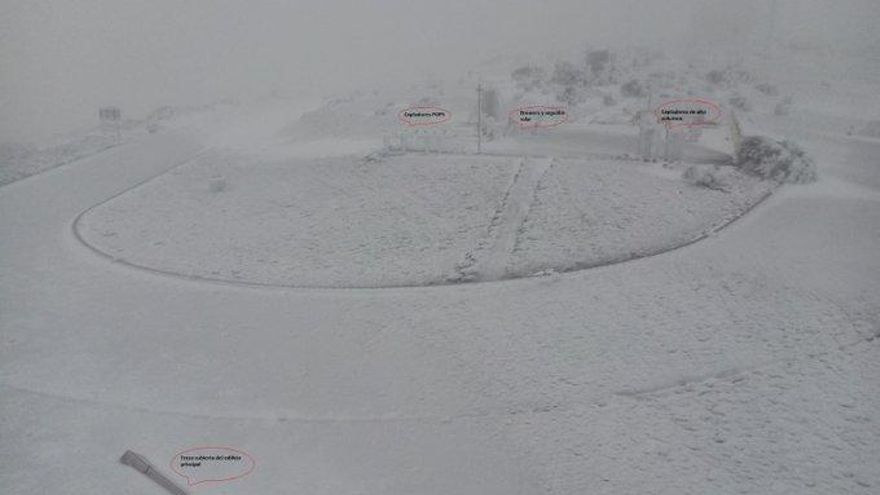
[479, 117]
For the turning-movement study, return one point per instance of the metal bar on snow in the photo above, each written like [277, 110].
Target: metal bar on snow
[140, 463]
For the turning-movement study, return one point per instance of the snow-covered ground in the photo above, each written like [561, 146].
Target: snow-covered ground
[743, 363]
[414, 219]
[305, 222]
[22, 159]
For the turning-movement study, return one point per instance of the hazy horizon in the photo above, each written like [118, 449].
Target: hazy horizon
[62, 60]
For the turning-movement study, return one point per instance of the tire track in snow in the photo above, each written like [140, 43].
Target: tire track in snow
[734, 375]
[738, 374]
[488, 261]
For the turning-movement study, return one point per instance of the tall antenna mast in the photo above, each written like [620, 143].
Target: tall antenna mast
[479, 117]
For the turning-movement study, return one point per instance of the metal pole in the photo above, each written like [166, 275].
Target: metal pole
[479, 117]
[140, 463]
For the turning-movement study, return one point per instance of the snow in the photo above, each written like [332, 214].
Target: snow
[783, 161]
[746, 362]
[488, 261]
[255, 217]
[20, 160]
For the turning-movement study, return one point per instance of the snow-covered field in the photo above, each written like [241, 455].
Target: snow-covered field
[746, 362]
[21, 160]
[305, 222]
[412, 219]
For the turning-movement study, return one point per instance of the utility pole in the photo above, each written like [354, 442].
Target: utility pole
[479, 117]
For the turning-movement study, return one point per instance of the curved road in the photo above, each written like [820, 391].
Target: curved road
[744, 363]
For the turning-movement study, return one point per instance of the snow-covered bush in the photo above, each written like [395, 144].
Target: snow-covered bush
[569, 81]
[632, 89]
[600, 66]
[716, 76]
[528, 77]
[597, 61]
[708, 176]
[782, 161]
[783, 108]
[740, 102]
[566, 74]
[569, 95]
[729, 76]
[767, 89]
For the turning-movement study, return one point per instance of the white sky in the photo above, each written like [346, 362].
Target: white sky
[61, 59]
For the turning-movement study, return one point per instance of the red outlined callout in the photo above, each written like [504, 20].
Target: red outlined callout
[688, 112]
[538, 116]
[212, 464]
[424, 116]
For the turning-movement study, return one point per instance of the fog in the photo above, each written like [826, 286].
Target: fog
[59, 61]
[398, 247]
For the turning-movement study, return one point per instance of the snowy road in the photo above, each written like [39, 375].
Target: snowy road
[747, 362]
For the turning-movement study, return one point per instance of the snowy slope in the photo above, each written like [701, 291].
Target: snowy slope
[747, 362]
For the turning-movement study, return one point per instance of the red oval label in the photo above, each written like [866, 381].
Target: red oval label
[424, 116]
[688, 112]
[539, 116]
[212, 464]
